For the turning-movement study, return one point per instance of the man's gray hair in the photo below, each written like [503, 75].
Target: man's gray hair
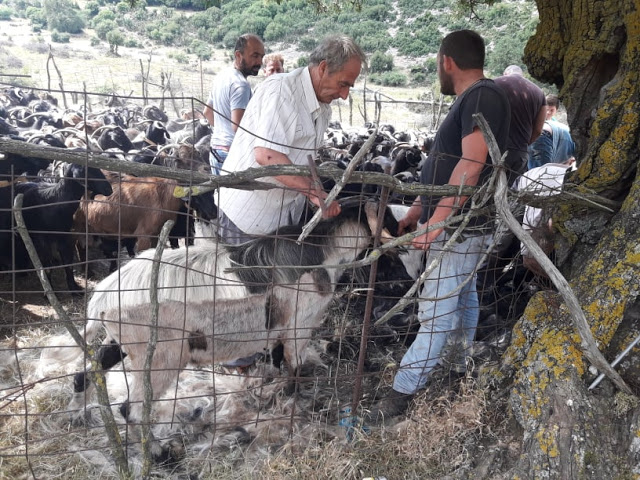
[337, 50]
[513, 70]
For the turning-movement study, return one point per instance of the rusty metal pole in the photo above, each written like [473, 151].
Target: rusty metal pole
[357, 388]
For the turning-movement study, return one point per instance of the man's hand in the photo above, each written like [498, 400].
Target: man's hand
[406, 225]
[409, 222]
[423, 242]
[331, 210]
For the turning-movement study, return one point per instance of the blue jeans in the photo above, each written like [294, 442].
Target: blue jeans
[443, 310]
[216, 165]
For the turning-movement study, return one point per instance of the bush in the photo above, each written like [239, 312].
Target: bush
[275, 31]
[179, 57]
[307, 43]
[60, 37]
[380, 62]
[123, 7]
[131, 43]
[418, 77]
[64, 16]
[6, 13]
[115, 39]
[389, 79]
[38, 18]
[95, 41]
[302, 61]
[104, 14]
[91, 9]
[229, 40]
[200, 49]
[104, 27]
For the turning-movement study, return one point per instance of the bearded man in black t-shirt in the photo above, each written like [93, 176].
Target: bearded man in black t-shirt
[448, 307]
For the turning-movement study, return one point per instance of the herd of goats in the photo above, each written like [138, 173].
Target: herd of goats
[125, 210]
[230, 301]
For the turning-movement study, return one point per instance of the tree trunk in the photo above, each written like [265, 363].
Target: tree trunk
[591, 50]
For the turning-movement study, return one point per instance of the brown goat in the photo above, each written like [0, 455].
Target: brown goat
[138, 208]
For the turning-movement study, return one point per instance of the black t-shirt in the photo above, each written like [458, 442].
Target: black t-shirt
[525, 99]
[482, 97]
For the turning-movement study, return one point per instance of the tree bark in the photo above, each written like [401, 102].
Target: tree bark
[591, 50]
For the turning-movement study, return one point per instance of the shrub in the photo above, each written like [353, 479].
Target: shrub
[104, 27]
[123, 7]
[131, 43]
[6, 13]
[275, 31]
[64, 16]
[389, 79]
[302, 61]
[179, 57]
[307, 43]
[91, 9]
[200, 49]
[38, 18]
[104, 14]
[115, 39]
[380, 62]
[95, 41]
[59, 37]
[418, 77]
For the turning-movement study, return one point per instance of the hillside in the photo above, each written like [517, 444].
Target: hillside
[184, 48]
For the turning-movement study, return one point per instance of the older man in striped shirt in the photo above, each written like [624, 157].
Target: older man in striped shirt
[284, 123]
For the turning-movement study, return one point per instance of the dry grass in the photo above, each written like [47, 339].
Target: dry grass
[437, 437]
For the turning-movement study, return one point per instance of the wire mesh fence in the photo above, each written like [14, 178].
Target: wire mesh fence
[268, 346]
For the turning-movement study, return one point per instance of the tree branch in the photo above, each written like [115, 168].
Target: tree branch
[337, 188]
[97, 375]
[588, 343]
[151, 348]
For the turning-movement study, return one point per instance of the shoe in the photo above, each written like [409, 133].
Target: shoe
[392, 405]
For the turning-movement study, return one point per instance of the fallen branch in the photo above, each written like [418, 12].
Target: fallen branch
[587, 342]
[98, 377]
[151, 348]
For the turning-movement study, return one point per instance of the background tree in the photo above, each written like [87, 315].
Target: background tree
[380, 62]
[115, 39]
[63, 15]
[200, 49]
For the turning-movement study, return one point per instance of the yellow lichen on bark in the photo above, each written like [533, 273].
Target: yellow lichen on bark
[547, 441]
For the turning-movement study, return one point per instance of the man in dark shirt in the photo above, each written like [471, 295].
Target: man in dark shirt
[528, 113]
[449, 305]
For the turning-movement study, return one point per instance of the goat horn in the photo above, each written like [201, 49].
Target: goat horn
[370, 210]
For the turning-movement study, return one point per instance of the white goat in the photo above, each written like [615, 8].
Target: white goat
[212, 332]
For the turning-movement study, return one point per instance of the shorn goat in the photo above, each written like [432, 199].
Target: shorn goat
[213, 272]
[207, 332]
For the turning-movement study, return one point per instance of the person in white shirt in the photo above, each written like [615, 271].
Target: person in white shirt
[230, 95]
[545, 180]
[283, 124]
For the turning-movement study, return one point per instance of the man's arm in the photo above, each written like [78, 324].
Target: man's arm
[208, 114]
[304, 185]
[236, 116]
[466, 172]
[537, 126]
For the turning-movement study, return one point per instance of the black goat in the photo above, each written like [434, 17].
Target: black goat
[48, 215]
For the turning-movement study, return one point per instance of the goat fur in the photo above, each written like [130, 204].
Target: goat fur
[214, 332]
